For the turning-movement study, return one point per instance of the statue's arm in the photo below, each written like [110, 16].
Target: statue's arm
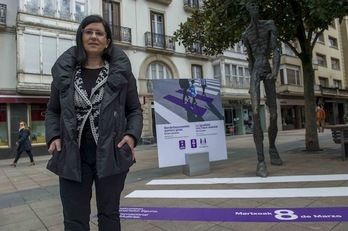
[249, 53]
[275, 49]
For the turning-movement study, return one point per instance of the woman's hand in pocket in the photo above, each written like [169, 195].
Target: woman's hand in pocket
[55, 145]
[130, 141]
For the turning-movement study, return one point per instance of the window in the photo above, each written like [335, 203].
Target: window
[217, 71]
[335, 64]
[286, 50]
[234, 75]
[337, 83]
[324, 82]
[112, 16]
[196, 71]
[39, 59]
[321, 59]
[196, 48]
[32, 53]
[158, 71]
[3, 126]
[332, 42]
[64, 44]
[67, 9]
[80, 11]
[37, 124]
[49, 8]
[32, 6]
[228, 75]
[321, 38]
[290, 75]
[49, 53]
[193, 3]
[157, 30]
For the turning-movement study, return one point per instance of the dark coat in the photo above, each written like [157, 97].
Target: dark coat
[120, 115]
[23, 141]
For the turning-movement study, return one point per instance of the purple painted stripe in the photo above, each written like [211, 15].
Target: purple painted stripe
[200, 97]
[237, 214]
[195, 109]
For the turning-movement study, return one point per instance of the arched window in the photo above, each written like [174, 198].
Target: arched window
[158, 70]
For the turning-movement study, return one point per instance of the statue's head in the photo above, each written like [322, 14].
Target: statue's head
[252, 6]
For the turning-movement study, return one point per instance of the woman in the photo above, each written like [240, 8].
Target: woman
[23, 143]
[93, 122]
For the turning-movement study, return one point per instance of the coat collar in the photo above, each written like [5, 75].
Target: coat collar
[64, 68]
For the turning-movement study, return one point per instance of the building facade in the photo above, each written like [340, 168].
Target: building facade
[33, 33]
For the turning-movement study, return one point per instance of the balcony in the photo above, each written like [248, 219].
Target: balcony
[164, 2]
[285, 89]
[159, 42]
[334, 91]
[196, 51]
[121, 35]
[191, 5]
[3, 11]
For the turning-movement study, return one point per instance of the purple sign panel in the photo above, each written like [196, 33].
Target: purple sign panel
[237, 214]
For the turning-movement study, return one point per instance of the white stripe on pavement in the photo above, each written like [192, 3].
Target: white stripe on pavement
[249, 180]
[242, 193]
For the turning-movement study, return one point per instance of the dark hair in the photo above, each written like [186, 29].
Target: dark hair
[81, 53]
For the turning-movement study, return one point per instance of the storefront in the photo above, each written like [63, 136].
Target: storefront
[16, 108]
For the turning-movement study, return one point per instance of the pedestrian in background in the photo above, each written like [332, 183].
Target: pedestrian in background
[23, 143]
[203, 85]
[93, 122]
[321, 116]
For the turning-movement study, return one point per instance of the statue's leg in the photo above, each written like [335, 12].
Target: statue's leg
[257, 128]
[273, 127]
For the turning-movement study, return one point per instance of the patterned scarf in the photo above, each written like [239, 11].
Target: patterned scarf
[89, 107]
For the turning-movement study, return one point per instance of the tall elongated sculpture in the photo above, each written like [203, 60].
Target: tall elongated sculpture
[260, 38]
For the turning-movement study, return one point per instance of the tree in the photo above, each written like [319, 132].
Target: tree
[220, 24]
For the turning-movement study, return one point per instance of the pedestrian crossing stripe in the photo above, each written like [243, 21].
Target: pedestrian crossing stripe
[242, 193]
[250, 180]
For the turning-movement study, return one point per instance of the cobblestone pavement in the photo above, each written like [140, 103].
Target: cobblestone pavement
[29, 195]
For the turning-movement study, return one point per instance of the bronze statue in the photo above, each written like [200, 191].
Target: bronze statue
[259, 38]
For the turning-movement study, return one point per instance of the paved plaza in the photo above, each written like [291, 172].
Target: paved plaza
[29, 195]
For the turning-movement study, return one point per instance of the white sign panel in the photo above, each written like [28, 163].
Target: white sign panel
[189, 119]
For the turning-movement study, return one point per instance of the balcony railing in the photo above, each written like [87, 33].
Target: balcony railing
[159, 41]
[122, 34]
[195, 50]
[3, 11]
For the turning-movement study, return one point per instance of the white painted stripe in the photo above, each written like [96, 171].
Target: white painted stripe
[249, 180]
[168, 114]
[242, 193]
[212, 92]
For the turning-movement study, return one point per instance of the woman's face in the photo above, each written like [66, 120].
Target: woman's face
[94, 39]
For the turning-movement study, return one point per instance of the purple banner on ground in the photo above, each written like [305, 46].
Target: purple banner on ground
[237, 214]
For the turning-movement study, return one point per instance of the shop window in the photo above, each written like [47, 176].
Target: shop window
[3, 126]
[37, 124]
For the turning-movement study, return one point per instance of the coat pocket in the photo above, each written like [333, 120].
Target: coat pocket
[55, 163]
[123, 157]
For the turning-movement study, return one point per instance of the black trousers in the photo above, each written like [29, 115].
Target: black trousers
[19, 153]
[76, 196]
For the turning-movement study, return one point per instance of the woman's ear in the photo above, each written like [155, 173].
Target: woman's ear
[108, 43]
